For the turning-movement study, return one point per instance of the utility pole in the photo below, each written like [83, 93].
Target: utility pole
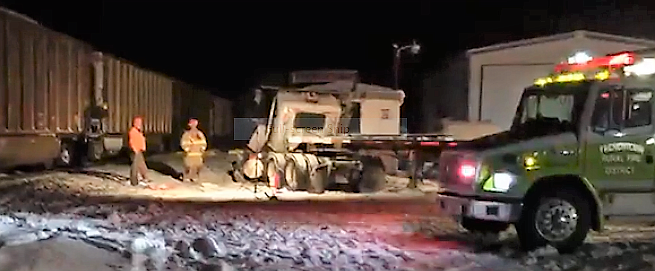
[414, 48]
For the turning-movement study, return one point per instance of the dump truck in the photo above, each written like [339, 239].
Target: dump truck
[578, 154]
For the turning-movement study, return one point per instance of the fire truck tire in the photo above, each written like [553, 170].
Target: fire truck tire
[294, 176]
[373, 177]
[318, 181]
[559, 217]
[483, 226]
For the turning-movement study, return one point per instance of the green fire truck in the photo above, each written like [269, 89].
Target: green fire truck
[579, 153]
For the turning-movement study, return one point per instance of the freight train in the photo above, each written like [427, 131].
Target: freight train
[63, 102]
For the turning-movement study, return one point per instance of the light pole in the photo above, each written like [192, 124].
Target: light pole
[414, 48]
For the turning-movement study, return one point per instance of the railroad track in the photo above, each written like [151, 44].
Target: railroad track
[12, 179]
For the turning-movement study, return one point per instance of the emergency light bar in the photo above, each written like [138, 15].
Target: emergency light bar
[570, 77]
[611, 61]
[580, 67]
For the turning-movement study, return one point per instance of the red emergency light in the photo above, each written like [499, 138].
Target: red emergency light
[611, 61]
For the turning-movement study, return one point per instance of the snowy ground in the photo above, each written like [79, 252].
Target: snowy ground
[85, 221]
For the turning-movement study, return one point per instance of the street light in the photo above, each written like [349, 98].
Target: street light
[414, 49]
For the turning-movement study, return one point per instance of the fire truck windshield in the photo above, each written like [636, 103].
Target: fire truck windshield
[552, 109]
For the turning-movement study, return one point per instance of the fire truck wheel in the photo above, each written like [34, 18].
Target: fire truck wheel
[373, 177]
[318, 181]
[560, 217]
[294, 176]
[483, 226]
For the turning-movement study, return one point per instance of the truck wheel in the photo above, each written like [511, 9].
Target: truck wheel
[294, 176]
[273, 171]
[483, 226]
[318, 181]
[373, 178]
[237, 174]
[561, 218]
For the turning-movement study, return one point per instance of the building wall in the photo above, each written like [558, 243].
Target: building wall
[444, 91]
[502, 75]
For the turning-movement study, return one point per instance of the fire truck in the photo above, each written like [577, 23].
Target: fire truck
[578, 154]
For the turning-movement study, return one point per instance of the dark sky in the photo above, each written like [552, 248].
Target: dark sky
[225, 44]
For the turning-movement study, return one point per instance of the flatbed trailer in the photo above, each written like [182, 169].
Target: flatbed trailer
[332, 133]
[418, 150]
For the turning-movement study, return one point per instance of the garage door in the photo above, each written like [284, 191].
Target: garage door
[502, 86]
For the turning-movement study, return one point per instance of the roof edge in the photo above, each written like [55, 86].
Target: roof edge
[558, 37]
[523, 42]
[19, 15]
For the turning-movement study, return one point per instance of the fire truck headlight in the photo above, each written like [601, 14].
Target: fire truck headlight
[500, 182]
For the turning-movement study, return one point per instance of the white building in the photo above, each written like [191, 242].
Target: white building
[499, 73]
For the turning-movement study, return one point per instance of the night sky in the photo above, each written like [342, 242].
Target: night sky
[226, 45]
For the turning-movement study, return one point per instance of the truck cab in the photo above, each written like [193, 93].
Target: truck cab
[579, 152]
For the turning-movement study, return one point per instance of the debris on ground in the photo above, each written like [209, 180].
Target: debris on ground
[69, 220]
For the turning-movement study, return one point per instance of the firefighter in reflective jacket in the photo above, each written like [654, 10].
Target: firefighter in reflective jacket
[194, 145]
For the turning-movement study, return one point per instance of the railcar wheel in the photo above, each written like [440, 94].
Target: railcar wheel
[66, 152]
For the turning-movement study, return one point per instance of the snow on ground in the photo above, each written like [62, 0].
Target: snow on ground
[79, 221]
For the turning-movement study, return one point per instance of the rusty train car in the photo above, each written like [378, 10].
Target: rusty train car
[61, 101]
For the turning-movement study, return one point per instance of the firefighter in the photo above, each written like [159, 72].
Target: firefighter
[137, 142]
[194, 145]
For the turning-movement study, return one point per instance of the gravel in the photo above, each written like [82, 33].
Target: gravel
[183, 236]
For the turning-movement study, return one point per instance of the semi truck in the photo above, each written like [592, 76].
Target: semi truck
[299, 145]
[327, 129]
[579, 154]
[63, 102]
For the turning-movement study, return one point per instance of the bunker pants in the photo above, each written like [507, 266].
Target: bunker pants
[192, 166]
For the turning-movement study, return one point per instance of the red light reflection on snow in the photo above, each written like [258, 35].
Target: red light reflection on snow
[395, 223]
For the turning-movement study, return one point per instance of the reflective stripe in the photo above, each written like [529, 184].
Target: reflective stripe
[194, 153]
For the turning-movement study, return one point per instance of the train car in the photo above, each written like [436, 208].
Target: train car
[128, 91]
[62, 102]
[45, 87]
[214, 114]
[221, 123]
